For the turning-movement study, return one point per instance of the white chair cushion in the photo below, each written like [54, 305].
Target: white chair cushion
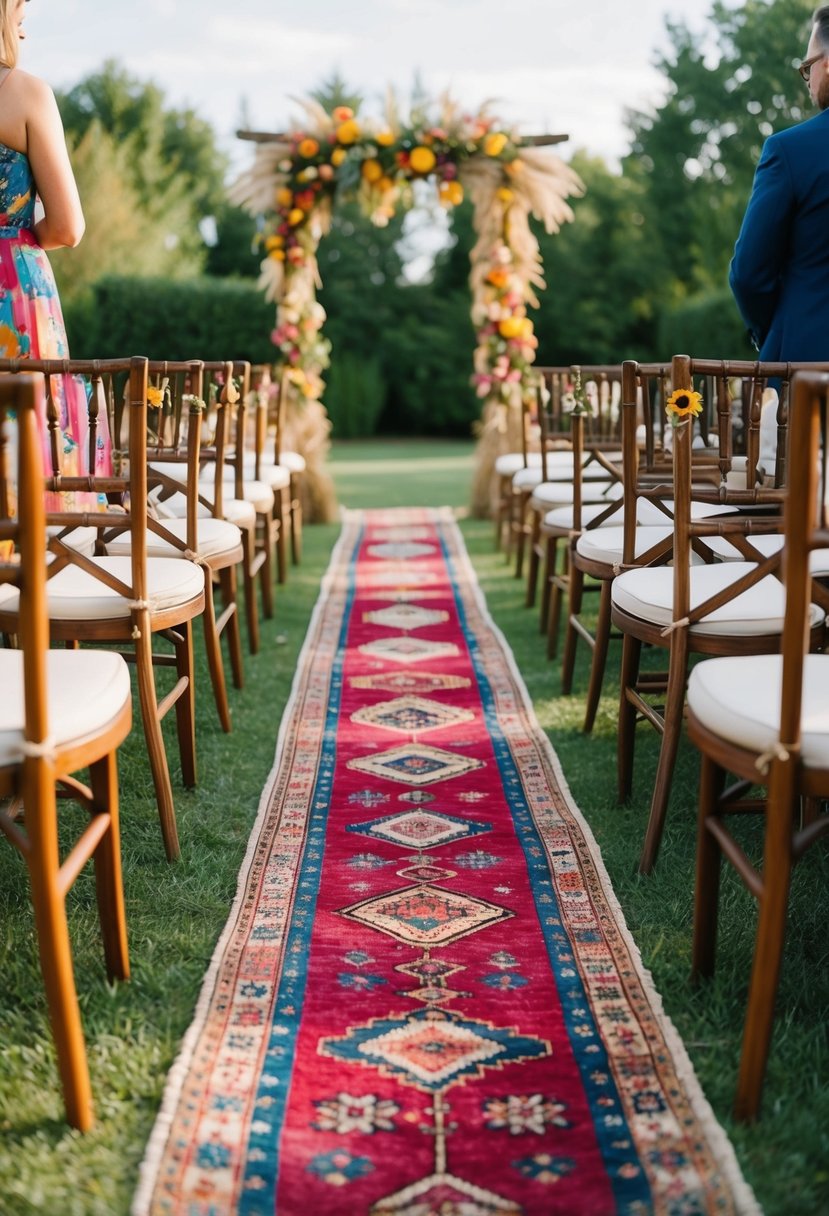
[648, 594]
[738, 698]
[256, 492]
[176, 470]
[558, 493]
[767, 544]
[605, 544]
[85, 690]
[82, 540]
[294, 462]
[648, 513]
[275, 475]
[215, 536]
[74, 595]
[560, 519]
[509, 464]
[243, 514]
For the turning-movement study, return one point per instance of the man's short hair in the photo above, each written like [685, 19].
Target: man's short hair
[821, 20]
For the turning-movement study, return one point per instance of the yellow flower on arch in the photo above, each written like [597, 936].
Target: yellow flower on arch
[683, 403]
[422, 160]
[495, 143]
[348, 132]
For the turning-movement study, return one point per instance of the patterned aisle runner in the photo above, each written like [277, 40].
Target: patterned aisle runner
[426, 1002]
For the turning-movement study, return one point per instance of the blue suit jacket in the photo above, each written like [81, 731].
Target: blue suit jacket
[780, 269]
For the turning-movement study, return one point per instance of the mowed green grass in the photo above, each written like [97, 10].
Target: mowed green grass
[177, 912]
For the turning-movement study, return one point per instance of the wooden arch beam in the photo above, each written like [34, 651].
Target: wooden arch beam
[278, 137]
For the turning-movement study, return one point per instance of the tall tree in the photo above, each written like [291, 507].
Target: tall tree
[728, 88]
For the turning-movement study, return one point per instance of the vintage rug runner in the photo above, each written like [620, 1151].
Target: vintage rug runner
[426, 1002]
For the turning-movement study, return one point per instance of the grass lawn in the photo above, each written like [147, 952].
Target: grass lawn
[175, 913]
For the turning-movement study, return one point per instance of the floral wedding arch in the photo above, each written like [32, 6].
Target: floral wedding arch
[294, 183]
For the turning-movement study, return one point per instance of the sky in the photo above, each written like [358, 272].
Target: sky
[549, 66]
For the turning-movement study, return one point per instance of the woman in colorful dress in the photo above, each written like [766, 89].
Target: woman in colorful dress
[34, 167]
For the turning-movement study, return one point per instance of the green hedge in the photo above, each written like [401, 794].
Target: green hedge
[200, 318]
[706, 327]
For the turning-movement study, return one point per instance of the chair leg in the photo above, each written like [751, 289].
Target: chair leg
[559, 583]
[268, 530]
[282, 509]
[214, 653]
[548, 568]
[55, 951]
[707, 889]
[768, 948]
[626, 737]
[182, 638]
[249, 583]
[296, 522]
[533, 563]
[671, 732]
[109, 886]
[230, 600]
[521, 535]
[599, 659]
[568, 660]
[159, 768]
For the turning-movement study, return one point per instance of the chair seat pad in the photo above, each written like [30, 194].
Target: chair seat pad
[768, 544]
[215, 536]
[74, 595]
[738, 698]
[256, 492]
[509, 463]
[277, 476]
[176, 470]
[85, 690]
[648, 594]
[648, 513]
[560, 493]
[82, 540]
[606, 544]
[242, 514]
[292, 462]
[561, 518]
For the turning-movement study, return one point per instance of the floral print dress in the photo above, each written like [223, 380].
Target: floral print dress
[31, 326]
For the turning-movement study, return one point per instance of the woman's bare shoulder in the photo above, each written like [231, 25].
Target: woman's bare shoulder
[29, 88]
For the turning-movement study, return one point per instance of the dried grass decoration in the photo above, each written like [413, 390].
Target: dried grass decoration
[295, 181]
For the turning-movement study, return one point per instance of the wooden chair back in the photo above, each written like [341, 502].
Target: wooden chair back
[23, 542]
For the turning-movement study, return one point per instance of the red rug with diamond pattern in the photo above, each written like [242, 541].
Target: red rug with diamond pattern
[425, 1002]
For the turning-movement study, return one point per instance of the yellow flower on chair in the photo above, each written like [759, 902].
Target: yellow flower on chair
[155, 396]
[683, 403]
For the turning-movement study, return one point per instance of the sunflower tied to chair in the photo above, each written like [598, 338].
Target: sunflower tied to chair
[683, 403]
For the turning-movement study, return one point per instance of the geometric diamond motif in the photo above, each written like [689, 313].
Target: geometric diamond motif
[409, 681]
[411, 714]
[426, 915]
[406, 616]
[428, 969]
[415, 764]
[417, 797]
[423, 872]
[399, 577]
[446, 1194]
[431, 1050]
[403, 549]
[404, 649]
[423, 829]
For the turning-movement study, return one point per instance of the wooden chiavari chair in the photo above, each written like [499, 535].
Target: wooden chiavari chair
[61, 712]
[765, 719]
[128, 600]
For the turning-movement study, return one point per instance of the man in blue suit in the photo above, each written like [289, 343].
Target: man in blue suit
[780, 270]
